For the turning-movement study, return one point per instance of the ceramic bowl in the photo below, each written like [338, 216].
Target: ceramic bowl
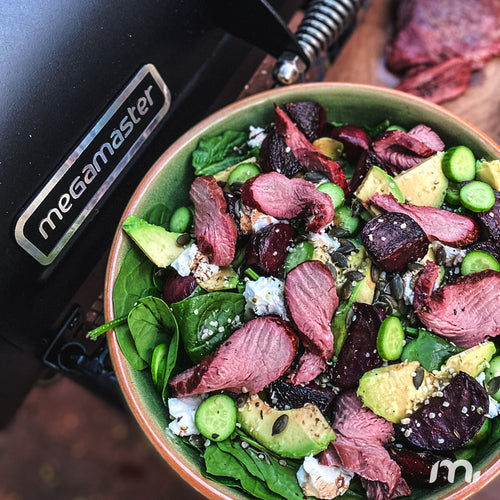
[168, 182]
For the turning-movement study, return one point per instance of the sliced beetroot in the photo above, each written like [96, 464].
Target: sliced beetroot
[449, 228]
[450, 421]
[283, 198]
[491, 218]
[267, 249]
[284, 395]
[393, 240]
[401, 150]
[416, 467]
[177, 287]
[307, 155]
[276, 156]
[214, 229]
[311, 300]
[465, 311]
[232, 201]
[355, 140]
[309, 116]
[359, 352]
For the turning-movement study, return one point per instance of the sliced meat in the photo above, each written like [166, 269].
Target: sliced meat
[309, 116]
[401, 150]
[308, 156]
[310, 365]
[440, 82]
[214, 228]
[466, 312]
[491, 218]
[251, 358]
[450, 228]
[393, 240]
[359, 447]
[431, 31]
[359, 351]
[276, 156]
[311, 299]
[426, 135]
[276, 195]
[355, 140]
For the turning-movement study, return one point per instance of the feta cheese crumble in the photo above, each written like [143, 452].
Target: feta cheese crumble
[183, 410]
[323, 481]
[265, 296]
[184, 263]
[256, 136]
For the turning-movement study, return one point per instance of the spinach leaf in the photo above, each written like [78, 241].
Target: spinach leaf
[151, 322]
[430, 350]
[159, 215]
[134, 277]
[218, 153]
[170, 363]
[205, 321]
[219, 463]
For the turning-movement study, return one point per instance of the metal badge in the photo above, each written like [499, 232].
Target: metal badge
[53, 217]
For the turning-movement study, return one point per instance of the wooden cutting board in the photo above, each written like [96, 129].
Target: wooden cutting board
[361, 60]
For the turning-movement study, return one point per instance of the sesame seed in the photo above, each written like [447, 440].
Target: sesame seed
[432, 414]
[446, 404]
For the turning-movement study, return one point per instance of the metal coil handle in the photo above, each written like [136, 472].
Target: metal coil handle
[323, 23]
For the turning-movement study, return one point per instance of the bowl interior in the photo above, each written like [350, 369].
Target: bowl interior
[168, 182]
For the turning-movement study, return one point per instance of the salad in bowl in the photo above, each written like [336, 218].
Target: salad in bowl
[305, 296]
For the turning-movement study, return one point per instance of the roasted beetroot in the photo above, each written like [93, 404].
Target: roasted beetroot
[177, 287]
[450, 421]
[285, 395]
[416, 467]
[491, 218]
[266, 250]
[309, 116]
[276, 156]
[359, 352]
[393, 240]
[355, 140]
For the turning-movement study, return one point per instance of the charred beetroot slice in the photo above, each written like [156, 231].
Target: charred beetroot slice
[285, 396]
[276, 195]
[416, 467]
[177, 287]
[214, 229]
[309, 157]
[266, 250]
[309, 116]
[355, 140]
[311, 299]
[448, 227]
[309, 366]
[231, 202]
[440, 82]
[393, 240]
[275, 155]
[252, 357]
[359, 352]
[466, 312]
[437, 426]
[491, 218]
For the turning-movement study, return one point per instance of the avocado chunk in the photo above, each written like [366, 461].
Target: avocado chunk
[489, 172]
[424, 184]
[158, 244]
[378, 181]
[396, 391]
[471, 361]
[226, 278]
[292, 433]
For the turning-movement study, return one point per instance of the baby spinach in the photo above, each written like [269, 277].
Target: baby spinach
[218, 153]
[430, 350]
[159, 215]
[151, 322]
[205, 321]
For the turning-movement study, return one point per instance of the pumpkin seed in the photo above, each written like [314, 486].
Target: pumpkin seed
[241, 400]
[333, 269]
[183, 239]
[279, 424]
[493, 385]
[440, 256]
[346, 247]
[313, 176]
[374, 273]
[419, 377]
[345, 291]
[338, 232]
[340, 260]
[348, 318]
[354, 275]
[397, 287]
[415, 266]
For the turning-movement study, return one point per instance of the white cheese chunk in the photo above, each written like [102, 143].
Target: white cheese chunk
[265, 296]
[185, 262]
[183, 410]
